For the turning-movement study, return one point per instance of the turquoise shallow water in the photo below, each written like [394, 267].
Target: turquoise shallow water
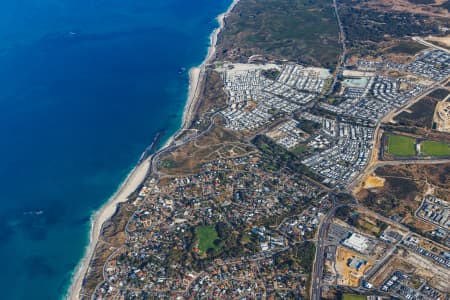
[84, 87]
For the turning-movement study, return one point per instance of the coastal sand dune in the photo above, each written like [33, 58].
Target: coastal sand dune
[138, 174]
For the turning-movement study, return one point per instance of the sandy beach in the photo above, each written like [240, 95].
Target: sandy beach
[138, 174]
[131, 183]
[196, 76]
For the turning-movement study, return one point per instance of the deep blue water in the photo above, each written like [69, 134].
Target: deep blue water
[84, 87]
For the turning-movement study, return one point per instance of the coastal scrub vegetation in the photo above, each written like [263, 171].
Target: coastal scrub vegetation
[404, 183]
[419, 114]
[213, 98]
[407, 47]
[439, 94]
[368, 23]
[394, 197]
[283, 29]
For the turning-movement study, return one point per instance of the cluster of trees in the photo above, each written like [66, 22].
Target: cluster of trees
[276, 157]
[271, 74]
[232, 241]
[309, 126]
[300, 256]
[352, 218]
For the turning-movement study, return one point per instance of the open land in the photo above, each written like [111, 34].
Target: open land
[442, 116]
[440, 41]
[374, 182]
[287, 29]
[403, 187]
[420, 114]
[349, 275]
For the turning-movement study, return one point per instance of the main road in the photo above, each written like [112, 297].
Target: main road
[342, 39]
[317, 272]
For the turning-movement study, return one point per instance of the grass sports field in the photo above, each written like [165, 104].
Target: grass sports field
[206, 235]
[353, 297]
[401, 145]
[435, 148]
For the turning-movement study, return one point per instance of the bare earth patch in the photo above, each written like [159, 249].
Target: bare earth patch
[440, 41]
[407, 6]
[442, 116]
[374, 182]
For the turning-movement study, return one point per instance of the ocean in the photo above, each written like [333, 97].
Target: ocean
[85, 85]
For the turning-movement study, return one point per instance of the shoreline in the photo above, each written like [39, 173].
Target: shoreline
[196, 76]
[138, 174]
[129, 185]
